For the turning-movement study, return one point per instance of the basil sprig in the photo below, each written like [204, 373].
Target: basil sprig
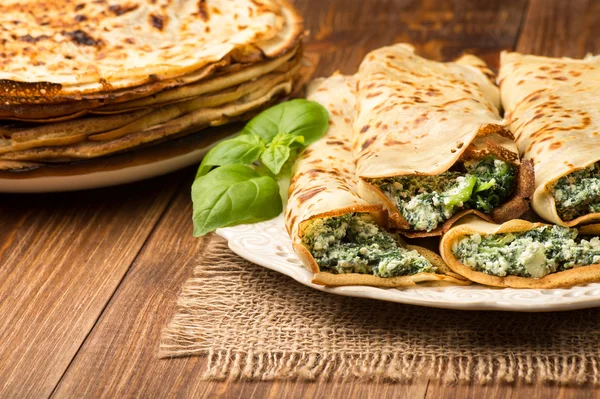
[237, 181]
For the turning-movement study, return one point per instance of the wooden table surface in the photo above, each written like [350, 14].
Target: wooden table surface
[88, 279]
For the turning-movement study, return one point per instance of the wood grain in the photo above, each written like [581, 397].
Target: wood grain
[553, 28]
[62, 256]
[87, 280]
[119, 357]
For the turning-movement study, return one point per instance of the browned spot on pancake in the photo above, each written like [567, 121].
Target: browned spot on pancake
[554, 146]
[560, 78]
[334, 142]
[80, 6]
[158, 21]
[365, 128]
[203, 10]
[30, 39]
[82, 38]
[520, 82]
[391, 142]
[420, 119]
[26, 89]
[371, 95]
[574, 73]
[105, 85]
[120, 9]
[80, 18]
[368, 143]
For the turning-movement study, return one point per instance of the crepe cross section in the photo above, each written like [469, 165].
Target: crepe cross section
[419, 148]
[87, 80]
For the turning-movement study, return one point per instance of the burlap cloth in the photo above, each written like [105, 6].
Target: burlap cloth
[253, 323]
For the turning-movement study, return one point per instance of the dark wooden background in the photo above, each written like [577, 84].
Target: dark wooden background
[88, 279]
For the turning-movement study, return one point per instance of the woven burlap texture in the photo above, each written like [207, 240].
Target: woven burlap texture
[253, 323]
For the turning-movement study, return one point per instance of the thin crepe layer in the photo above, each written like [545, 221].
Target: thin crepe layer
[471, 225]
[210, 79]
[420, 117]
[188, 123]
[324, 185]
[77, 51]
[552, 107]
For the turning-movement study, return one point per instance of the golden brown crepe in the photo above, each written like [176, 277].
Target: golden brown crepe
[143, 131]
[551, 106]
[421, 117]
[61, 50]
[471, 225]
[213, 80]
[324, 185]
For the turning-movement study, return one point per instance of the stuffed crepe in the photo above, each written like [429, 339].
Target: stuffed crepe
[430, 145]
[521, 254]
[336, 234]
[552, 107]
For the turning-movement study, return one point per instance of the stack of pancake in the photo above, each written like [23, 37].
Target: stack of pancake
[91, 78]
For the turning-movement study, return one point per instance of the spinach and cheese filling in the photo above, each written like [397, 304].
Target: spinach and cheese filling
[354, 243]
[535, 253]
[427, 201]
[578, 193]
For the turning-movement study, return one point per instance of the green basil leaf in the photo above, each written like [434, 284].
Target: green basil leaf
[296, 117]
[233, 194]
[278, 151]
[243, 149]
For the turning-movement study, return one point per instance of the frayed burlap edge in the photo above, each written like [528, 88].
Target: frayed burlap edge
[207, 298]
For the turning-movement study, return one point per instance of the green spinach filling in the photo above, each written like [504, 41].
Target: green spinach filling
[535, 253]
[578, 193]
[354, 243]
[427, 201]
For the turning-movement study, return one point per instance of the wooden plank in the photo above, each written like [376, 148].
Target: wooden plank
[343, 31]
[506, 391]
[553, 28]
[120, 356]
[61, 258]
[119, 359]
[559, 28]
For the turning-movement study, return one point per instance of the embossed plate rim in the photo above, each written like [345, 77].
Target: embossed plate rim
[267, 244]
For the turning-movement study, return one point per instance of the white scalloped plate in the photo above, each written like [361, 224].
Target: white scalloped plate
[268, 244]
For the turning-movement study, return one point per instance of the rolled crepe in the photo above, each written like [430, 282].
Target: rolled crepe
[552, 107]
[422, 118]
[323, 193]
[521, 254]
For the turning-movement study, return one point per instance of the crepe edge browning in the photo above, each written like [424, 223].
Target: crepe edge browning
[216, 77]
[511, 74]
[446, 275]
[18, 92]
[563, 279]
[296, 223]
[517, 204]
